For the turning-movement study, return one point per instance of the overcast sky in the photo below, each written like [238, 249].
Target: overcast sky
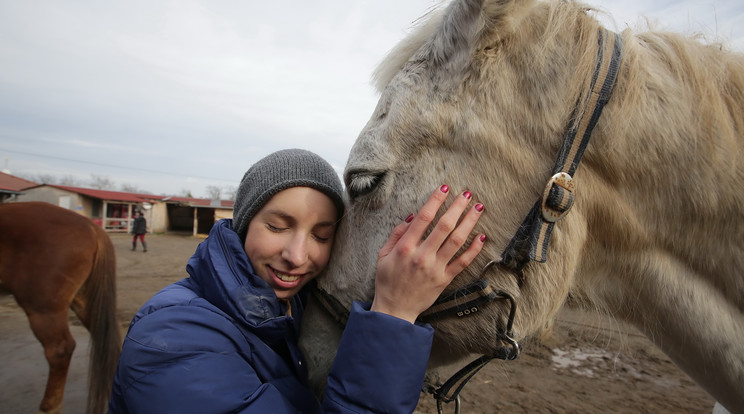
[168, 96]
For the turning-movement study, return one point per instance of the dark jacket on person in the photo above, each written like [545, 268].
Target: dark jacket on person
[139, 226]
[219, 341]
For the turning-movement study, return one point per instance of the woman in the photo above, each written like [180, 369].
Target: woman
[139, 229]
[224, 340]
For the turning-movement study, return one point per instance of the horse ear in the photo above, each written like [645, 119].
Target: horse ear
[446, 38]
[457, 33]
[462, 23]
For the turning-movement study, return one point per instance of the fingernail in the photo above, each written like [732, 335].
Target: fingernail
[409, 218]
[467, 194]
[444, 188]
[479, 207]
[483, 238]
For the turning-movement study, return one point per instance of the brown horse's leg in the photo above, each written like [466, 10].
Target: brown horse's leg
[54, 334]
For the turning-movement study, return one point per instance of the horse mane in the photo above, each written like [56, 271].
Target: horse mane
[715, 74]
[423, 30]
[679, 50]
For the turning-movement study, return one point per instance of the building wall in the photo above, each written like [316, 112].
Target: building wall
[222, 213]
[157, 218]
[58, 197]
[92, 208]
[161, 216]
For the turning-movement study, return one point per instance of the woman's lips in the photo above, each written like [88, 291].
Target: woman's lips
[286, 280]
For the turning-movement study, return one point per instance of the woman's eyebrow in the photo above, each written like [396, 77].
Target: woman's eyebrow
[326, 224]
[279, 213]
[284, 215]
[278, 217]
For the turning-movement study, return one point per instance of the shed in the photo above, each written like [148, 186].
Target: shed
[195, 215]
[114, 210]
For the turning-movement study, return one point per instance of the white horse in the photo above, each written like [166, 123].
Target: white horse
[481, 97]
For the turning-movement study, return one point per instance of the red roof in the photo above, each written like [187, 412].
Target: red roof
[111, 195]
[142, 197]
[13, 183]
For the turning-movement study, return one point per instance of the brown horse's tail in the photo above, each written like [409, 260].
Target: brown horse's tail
[105, 347]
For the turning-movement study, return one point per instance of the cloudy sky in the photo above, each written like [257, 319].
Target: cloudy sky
[169, 96]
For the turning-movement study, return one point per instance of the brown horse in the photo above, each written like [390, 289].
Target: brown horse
[480, 97]
[53, 260]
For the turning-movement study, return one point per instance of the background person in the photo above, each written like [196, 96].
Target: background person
[139, 229]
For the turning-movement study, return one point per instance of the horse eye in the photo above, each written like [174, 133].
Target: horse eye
[360, 183]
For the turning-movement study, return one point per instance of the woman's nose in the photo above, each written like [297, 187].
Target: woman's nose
[295, 251]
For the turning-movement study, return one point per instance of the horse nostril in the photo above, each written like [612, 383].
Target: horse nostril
[361, 183]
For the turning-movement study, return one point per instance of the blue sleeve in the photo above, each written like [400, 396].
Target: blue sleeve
[192, 362]
[380, 364]
[196, 361]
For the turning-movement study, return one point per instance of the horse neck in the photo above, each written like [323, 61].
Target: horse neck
[664, 172]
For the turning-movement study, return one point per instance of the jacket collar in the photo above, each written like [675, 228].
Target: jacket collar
[221, 268]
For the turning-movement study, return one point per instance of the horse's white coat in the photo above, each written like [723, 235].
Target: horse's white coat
[479, 99]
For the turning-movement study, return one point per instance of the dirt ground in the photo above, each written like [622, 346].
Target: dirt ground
[590, 365]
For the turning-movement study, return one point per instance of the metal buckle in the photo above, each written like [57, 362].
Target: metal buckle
[563, 180]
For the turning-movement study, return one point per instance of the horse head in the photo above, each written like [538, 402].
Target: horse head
[480, 97]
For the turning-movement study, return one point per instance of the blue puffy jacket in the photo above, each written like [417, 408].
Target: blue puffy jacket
[219, 342]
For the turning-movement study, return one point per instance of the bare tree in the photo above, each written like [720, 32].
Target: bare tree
[69, 180]
[230, 192]
[43, 179]
[101, 182]
[214, 192]
[186, 193]
[131, 188]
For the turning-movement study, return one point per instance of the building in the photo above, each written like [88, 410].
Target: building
[114, 210]
[11, 186]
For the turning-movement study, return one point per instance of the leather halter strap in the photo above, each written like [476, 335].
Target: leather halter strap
[462, 302]
[531, 239]
[333, 306]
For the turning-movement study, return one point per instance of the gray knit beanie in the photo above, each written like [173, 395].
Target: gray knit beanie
[279, 171]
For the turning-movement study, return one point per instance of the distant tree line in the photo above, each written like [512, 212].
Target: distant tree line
[101, 182]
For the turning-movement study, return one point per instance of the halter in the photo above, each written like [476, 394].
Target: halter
[532, 237]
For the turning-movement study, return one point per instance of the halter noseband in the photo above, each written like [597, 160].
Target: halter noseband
[532, 237]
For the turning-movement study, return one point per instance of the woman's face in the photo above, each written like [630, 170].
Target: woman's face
[289, 240]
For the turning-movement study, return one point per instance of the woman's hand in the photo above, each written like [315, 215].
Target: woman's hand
[412, 271]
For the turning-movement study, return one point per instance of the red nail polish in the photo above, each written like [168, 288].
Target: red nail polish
[483, 238]
[479, 207]
[444, 188]
[467, 195]
[409, 218]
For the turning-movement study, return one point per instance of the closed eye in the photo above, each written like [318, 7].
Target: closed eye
[361, 183]
[321, 239]
[274, 229]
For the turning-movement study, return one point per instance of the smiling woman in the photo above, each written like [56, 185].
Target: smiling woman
[289, 240]
[225, 339]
